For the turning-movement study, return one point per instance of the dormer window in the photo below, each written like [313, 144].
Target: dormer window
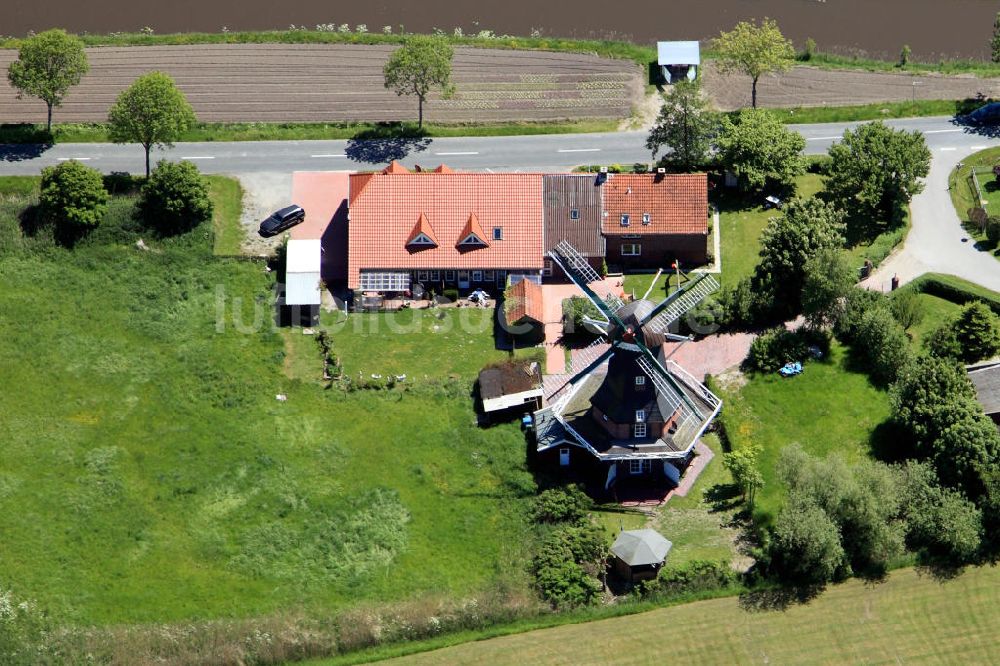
[646, 218]
[574, 213]
[497, 233]
[625, 220]
[421, 239]
[472, 235]
[640, 416]
[640, 380]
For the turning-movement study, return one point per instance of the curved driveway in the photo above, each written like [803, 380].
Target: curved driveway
[934, 244]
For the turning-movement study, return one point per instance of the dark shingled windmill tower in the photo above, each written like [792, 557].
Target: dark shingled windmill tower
[632, 408]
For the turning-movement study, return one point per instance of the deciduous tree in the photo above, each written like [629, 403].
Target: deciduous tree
[151, 112]
[684, 129]
[754, 50]
[742, 464]
[805, 544]
[829, 277]
[804, 228]
[417, 67]
[875, 171]
[48, 65]
[760, 150]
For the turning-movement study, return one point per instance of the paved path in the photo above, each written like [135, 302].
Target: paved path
[937, 242]
[552, 297]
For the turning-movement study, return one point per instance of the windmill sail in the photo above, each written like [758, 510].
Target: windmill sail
[679, 303]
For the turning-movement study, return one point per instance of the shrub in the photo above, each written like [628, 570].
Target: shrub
[883, 343]
[690, 578]
[560, 567]
[575, 309]
[73, 197]
[943, 342]
[175, 198]
[978, 332]
[744, 305]
[777, 346]
[978, 216]
[992, 229]
[906, 308]
[559, 505]
[942, 526]
[451, 294]
[858, 303]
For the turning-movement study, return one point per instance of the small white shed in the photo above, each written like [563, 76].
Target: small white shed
[302, 272]
[678, 60]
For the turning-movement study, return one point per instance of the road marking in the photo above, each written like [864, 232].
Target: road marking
[977, 147]
[578, 150]
[67, 159]
[944, 131]
[198, 157]
[949, 149]
[468, 152]
[824, 138]
[331, 155]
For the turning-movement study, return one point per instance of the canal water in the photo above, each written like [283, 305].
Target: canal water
[934, 29]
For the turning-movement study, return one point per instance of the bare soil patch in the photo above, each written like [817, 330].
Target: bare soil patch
[344, 82]
[811, 86]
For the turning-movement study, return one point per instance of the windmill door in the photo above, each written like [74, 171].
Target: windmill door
[564, 457]
[463, 279]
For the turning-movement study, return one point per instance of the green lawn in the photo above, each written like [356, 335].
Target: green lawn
[936, 311]
[963, 194]
[693, 523]
[829, 408]
[227, 198]
[150, 475]
[910, 618]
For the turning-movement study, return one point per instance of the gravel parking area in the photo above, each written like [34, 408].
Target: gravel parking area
[342, 82]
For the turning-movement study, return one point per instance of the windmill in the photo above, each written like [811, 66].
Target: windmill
[643, 407]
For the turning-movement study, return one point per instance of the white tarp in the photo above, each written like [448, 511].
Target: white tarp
[678, 53]
[302, 272]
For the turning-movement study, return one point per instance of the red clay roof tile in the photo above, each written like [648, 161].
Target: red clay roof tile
[675, 203]
[384, 206]
[395, 167]
[524, 300]
[423, 226]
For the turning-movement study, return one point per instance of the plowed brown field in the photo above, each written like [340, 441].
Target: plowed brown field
[330, 83]
[810, 86]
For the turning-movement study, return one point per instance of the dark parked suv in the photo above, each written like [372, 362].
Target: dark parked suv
[286, 218]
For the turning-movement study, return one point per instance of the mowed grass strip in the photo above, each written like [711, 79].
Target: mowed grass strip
[910, 618]
[227, 199]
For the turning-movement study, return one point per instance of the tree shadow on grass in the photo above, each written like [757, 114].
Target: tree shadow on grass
[778, 598]
[723, 497]
[386, 142]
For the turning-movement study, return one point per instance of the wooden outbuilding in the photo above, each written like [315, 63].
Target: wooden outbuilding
[639, 554]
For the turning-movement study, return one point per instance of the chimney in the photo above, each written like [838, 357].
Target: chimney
[628, 190]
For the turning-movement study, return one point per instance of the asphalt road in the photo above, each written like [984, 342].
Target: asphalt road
[516, 153]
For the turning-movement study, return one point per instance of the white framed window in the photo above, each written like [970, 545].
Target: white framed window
[449, 276]
[501, 277]
[477, 276]
[625, 219]
[640, 416]
[473, 240]
[497, 233]
[640, 380]
[422, 239]
[384, 281]
[640, 430]
[574, 213]
[646, 218]
[435, 276]
[631, 249]
[638, 466]
[421, 276]
[488, 276]
[547, 270]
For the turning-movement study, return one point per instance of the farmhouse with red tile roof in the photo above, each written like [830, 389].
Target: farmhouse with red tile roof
[651, 219]
[475, 230]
